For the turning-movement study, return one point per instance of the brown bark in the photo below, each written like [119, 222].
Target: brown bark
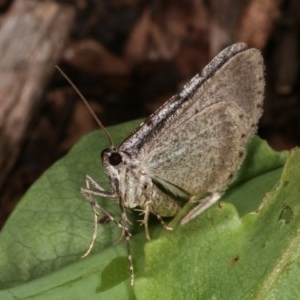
[32, 38]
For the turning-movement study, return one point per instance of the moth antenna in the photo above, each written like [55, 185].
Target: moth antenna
[67, 78]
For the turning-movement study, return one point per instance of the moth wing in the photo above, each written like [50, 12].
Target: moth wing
[236, 74]
[203, 154]
[201, 147]
[196, 140]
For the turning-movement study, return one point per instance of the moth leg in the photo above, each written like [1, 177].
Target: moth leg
[122, 224]
[163, 205]
[145, 211]
[125, 233]
[129, 255]
[97, 189]
[163, 223]
[98, 211]
[205, 203]
[145, 220]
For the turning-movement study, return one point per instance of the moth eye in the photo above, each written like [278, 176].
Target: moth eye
[115, 159]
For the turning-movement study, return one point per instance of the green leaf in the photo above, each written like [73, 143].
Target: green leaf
[43, 240]
[221, 255]
[52, 226]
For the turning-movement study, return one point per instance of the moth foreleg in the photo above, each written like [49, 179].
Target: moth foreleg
[204, 204]
[97, 190]
[97, 209]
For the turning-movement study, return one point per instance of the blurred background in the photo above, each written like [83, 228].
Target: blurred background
[127, 57]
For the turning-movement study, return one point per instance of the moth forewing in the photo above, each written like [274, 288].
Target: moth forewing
[201, 147]
[199, 169]
[228, 67]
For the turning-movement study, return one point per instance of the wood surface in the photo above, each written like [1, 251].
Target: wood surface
[32, 39]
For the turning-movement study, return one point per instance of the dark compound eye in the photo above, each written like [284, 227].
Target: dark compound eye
[115, 158]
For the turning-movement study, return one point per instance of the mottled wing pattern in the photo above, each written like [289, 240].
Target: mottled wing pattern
[203, 153]
[199, 145]
[202, 150]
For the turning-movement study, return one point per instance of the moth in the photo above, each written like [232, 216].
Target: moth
[192, 145]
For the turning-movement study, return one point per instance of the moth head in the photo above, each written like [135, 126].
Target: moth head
[111, 157]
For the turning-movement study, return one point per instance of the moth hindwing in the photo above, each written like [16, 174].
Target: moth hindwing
[192, 145]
